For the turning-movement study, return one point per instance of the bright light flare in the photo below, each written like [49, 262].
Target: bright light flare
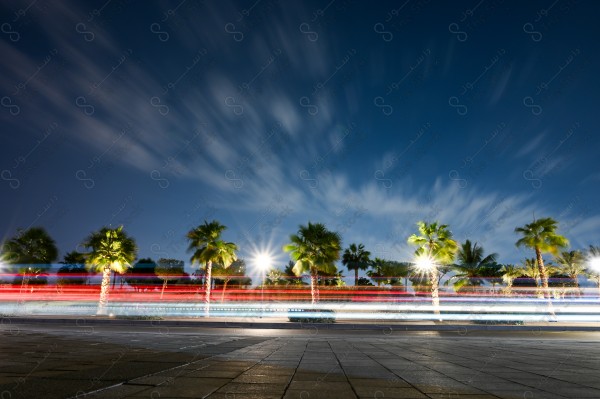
[263, 261]
[595, 264]
[424, 263]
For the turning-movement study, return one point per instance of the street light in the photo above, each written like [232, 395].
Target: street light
[595, 264]
[263, 261]
[424, 263]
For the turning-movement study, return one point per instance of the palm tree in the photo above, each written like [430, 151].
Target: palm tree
[274, 277]
[290, 277]
[314, 249]
[573, 264]
[398, 273]
[355, 257]
[339, 280]
[205, 241]
[593, 261]
[236, 270]
[73, 271]
[492, 273]
[541, 236]
[168, 270]
[377, 272]
[110, 250]
[471, 265]
[509, 274]
[435, 248]
[142, 275]
[32, 250]
[594, 251]
[390, 272]
[531, 270]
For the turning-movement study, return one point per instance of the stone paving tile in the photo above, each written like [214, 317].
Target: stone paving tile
[314, 376]
[153, 380]
[38, 387]
[319, 394]
[268, 369]
[246, 395]
[188, 387]
[450, 395]
[9, 380]
[382, 392]
[575, 391]
[381, 383]
[235, 388]
[261, 379]
[320, 385]
[210, 373]
[468, 378]
[456, 389]
[506, 385]
[524, 393]
[121, 391]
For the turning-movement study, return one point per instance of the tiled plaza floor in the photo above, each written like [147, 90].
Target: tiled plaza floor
[163, 362]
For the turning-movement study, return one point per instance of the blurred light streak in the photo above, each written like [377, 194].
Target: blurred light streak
[64, 300]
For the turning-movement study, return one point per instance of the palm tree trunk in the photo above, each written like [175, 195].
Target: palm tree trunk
[163, 289]
[544, 276]
[575, 278]
[540, 289]
[24, 283]
[356, 277]
[224, 287]
[435, 298]
[104, 291]
[314, 289]
[208, 287]
[543, 273]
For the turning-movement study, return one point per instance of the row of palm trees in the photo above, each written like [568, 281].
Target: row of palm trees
[113, 250]
[435, 248]
[313, 249]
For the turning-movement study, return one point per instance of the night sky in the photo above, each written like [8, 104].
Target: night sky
[365, 116]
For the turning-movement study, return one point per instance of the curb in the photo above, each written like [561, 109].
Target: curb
[339, 326]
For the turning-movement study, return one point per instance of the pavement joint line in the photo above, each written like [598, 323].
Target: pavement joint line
[337, 359]
[482, 370]
[287, 387]
[84, 394]
[385, 367]
[545, 378]
[450, 362]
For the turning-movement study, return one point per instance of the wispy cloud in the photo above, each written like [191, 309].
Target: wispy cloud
[532, 145]
[255, 111]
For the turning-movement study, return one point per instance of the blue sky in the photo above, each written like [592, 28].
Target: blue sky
[366, 116]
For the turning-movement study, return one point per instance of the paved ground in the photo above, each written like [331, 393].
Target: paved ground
[109, 361]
